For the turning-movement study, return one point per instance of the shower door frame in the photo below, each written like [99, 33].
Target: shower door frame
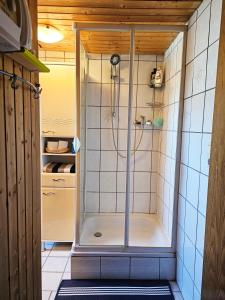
[125, 248]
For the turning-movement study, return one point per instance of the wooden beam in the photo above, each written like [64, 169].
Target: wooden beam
[213, 286]
[121, 4]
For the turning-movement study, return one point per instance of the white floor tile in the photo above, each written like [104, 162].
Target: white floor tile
[43, 260]
[66, 275]
[53, 294]
[68, 266]
[46, 295]
[178, 296]
[59, 253]
[55, 264]
[45, 253]
[174, 286]
[50, 281]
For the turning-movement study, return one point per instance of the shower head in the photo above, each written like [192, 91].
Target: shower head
[115, 59]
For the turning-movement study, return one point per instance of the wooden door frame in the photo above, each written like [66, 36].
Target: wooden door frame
[213, 285]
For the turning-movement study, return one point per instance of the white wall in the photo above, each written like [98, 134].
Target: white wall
[168, 134]
[201, 66]
[106, 176]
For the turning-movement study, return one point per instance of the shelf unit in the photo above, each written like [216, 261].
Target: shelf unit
[58, 194]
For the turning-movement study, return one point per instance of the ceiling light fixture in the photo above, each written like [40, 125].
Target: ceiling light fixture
[49, 34]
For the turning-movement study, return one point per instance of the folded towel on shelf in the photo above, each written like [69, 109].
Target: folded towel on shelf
[58, 168]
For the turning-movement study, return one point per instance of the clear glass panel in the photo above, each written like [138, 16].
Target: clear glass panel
[104, 107]
[155, 100]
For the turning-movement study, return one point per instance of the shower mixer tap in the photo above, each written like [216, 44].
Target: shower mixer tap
[143, 122]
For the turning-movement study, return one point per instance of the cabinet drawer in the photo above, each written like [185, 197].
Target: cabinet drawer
[59, 180]
[58, 214]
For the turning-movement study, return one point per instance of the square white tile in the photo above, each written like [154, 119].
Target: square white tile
[143, 161]
[94, 74]
[107, 139]
[202, 31]
[106, 95]
[206, 150]
[141, 202]
[108, 202]
[93, 117]
[215, 20]
[144, 70]
[108, 160]
[106, 117]
[144, 95]
[93, 160]
[55, 264]
[121, 182]
[92, 181]
[200, 234]
[187, 114]
[195, 150]
[199, 77]
[193, 187]
[183, 180]
[52, 296]
[188, 285]
[50, 281]
[93, 94]
[108, 182]
[121, 199]
[203, 193]
[124, 92]
[191, 221]
[198, 270]
[191, 43]
[209, 109]
[92, 202]
[142, 182]
[197, 108]
[46, 295]
[181, 211]
[212, 65]
[185, 148]
[93, 139]
[189, 80]
[106, 71]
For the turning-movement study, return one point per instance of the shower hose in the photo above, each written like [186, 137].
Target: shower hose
[115, 97]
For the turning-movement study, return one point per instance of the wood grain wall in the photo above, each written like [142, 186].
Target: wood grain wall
[20, 223]
[213, 287]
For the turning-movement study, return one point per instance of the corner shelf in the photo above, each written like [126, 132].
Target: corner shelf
[29, 61]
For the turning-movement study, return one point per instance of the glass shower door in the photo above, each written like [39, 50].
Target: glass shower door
[104, 92]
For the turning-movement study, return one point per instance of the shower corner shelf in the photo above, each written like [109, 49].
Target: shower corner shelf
[155, 104]
[29, 61]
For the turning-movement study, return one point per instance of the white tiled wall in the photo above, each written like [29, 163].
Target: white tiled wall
[106, 170]
[201, 66]
[168, 134]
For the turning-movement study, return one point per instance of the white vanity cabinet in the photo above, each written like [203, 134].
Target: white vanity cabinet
[58, 214]
[58, 101]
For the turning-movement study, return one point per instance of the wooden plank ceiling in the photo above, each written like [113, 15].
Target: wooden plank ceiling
[62, 14]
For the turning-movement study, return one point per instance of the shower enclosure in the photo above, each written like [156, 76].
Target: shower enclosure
[128, 163]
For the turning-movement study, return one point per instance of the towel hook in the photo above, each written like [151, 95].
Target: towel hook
[13, 79]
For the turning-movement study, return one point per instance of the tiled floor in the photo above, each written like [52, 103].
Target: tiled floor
[56, 266]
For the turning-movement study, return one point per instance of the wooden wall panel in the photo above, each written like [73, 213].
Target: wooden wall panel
[20, 217]
[11, 182]
[4, 259]
[20, 184]
[214, 257]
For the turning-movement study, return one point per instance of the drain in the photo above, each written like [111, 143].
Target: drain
[97, 234]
